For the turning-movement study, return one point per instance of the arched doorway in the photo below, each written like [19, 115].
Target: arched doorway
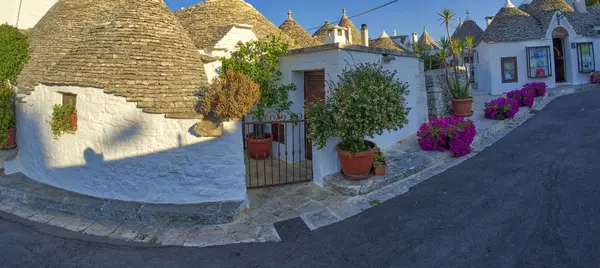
[559, 35]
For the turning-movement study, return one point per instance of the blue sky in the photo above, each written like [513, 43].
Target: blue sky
[405, 16]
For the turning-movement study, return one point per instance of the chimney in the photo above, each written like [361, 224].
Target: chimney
[580, 6]
[364, 35]
[395, 32]
[488, 20]
[415, 38]
[349, 35]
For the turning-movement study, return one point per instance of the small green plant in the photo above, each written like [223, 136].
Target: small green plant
[62, 119]
[366, 101]
[375, 203]
[379, 159]
[7, 113]
[13, 53]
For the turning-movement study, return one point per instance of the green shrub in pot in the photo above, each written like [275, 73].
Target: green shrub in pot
[7, 113]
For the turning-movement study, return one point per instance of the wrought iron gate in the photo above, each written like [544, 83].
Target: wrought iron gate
[289, 159]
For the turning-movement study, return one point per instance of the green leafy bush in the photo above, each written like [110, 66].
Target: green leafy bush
[13, 53]
[7, 113]
[61, 119]
[379, 159]
[366, 101]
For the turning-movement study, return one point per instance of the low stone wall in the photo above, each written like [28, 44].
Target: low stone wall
[438, 94]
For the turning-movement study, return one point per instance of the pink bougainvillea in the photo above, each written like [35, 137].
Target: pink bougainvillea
[450, 133]
[526, 96]
[540, 88]
[595, 78]
[507, 107]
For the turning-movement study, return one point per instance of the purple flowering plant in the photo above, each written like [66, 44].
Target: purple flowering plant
[595, 78]
[540, 88]
[450, 133]
[526, 96]
[506, 107]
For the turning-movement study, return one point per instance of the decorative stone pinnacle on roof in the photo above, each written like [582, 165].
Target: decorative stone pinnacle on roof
[508, 4]
[468, 18]
[344, 11]
[290, 15]
[383, 35]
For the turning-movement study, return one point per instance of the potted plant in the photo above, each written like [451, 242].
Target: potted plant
[450, 133]
[8, 119]
[595, 78]
[462, 101]
[526, 96]
[365, 101]
[501, 108]
[260, 61]
[63, 120]
[379, 164]
[540, 88]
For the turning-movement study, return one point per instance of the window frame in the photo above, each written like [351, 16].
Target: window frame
[548, 58]
[278, 132]
[503, 70]
[579, 63]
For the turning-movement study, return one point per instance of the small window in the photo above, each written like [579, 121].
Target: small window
[69, 99]
[278, 131]
[585, 57]
[509, 70]
[538, 62]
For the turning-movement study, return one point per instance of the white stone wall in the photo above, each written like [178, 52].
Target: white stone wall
[23, 14]
[225, 47]
[409, 69]
[121, 153]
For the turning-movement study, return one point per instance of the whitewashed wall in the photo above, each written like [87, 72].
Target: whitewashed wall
[121, 153]
[409, 69]
[225, 47]
[23, 14]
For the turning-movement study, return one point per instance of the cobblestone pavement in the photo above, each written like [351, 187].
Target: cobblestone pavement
[316, 206]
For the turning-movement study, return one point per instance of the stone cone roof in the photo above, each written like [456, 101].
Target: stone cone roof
[319, 35]
[347, 23]
[510, 25]
[58, 32]
[543, 10]
[139, 51]
[385, 42]
[427, 42]
[468, 28]
[295, 31]
[208, 21]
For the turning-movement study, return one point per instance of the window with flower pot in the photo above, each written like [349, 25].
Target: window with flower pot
[509, 70]
[64, 115]
[538, 62]
[585, 57]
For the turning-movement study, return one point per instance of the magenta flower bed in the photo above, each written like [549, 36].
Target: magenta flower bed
[540, 88]
[526, 96]
[595, 78]
[450, 133]
[505, 107]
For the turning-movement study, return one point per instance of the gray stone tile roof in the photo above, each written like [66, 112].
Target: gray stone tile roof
[138, 51]
[428, 42]
[347, 23]
[319, 35]
[468, 28]
[206, 21]
[295, 31]
[385, 42]
[584, 23]
[57, 33]
[512, 24]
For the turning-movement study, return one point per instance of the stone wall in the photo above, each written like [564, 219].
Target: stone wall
[119, 152]
[438, 94]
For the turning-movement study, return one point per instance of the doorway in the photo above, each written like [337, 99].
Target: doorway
[559, 60]
[314, 89]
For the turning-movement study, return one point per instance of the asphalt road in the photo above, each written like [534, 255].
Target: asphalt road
[530, 200]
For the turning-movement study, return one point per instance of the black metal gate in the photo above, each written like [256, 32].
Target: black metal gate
[289, 159]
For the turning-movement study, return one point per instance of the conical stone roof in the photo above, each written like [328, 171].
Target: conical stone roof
[139, 51]
[427, 42]
[468, 28]
[512, 24]
[347, 23]
[58, 32]
[295, 31]
[385, 42]
[319, 35]
[208, 21]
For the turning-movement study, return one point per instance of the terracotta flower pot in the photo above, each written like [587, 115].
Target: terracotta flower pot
[73, 120]
[462, 107]
[11, 141]
[500, 116]
[258, 149]
[380, 170]
[358, 166]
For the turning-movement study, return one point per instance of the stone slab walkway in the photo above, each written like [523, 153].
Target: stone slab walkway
[316, 206]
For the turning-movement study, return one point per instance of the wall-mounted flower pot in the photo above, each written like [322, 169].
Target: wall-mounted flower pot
[380, 170]
[258, 149]
[73, 120]
[462, 107]
[11, 141]
[500, 116]
[357, 167]
[209, 128]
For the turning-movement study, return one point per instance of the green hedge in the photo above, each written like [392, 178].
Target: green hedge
[13, 53]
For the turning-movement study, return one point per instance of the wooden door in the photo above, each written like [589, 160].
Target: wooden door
[314, 89]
